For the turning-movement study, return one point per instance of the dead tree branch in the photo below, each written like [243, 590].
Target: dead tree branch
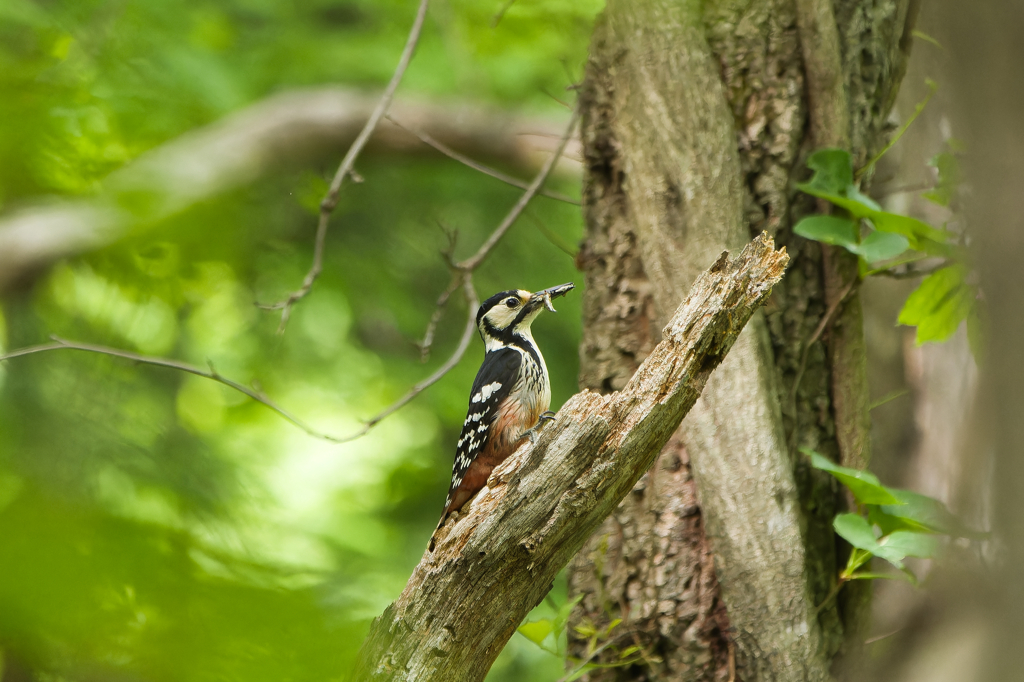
[257, 395]
[465, 600]
[330, 200]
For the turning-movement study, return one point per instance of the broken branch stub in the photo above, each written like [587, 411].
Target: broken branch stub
[496, 562]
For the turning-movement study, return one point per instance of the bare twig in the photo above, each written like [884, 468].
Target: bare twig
[551, 236]
[477, 166]
[826, 320]
[584, 662]
[501, 13]
[330, 200]
[255, 394]
[932, 87]
[471, 303]
[442, 301]
[474, 261]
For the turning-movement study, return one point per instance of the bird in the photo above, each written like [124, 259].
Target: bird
[510, 395]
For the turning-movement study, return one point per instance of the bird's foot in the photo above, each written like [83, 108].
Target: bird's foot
[531, 433]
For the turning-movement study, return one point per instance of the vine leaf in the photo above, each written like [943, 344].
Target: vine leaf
[938, 306]
[833, 181]
[864, 485]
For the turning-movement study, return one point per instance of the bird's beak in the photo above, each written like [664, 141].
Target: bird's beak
[544, 296]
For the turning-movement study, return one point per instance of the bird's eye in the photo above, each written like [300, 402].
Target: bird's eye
[512, 302]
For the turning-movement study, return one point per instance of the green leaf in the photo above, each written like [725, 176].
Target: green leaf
[611, 626]
[938, 305]
[856, 530]
[916, 231]
[906, 543]
[829, 229]
[922, 514]
[889, 523]
[537, 631]
[879, 246]
[564, 611]
[833, 171]
[833, 168]
[949, 178]
[585, 629]
[864, 485]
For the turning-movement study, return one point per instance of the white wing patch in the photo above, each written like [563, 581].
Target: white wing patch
[484, 394]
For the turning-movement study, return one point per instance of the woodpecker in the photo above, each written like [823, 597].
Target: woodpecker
[511, 393]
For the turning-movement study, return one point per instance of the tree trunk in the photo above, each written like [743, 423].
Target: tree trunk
[697, 119]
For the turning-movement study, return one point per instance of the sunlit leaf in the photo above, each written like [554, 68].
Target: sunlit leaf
[938, 306]
[537, 631]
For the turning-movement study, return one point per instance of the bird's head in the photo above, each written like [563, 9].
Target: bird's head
[510, 313]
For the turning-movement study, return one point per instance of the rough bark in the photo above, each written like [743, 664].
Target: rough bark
[287, 129]
[497, 561]
[696, 123]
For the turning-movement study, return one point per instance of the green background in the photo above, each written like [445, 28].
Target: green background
[159, 526]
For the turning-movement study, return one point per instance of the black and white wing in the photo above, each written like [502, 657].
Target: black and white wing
[498, 374]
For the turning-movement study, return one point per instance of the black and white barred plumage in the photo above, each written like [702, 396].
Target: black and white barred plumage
[510, 394]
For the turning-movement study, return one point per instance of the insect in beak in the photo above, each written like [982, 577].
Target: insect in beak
[554, 292]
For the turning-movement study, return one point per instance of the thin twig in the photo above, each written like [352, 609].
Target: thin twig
[932, 87]
[594, 654]
[474, 261]
[330, 200]
[257, 395]
[428, 336]
[888, 397]
[826, 320]
[551, 236]
[477, 166]
[472, 302]
[879, 638]
[496, 19]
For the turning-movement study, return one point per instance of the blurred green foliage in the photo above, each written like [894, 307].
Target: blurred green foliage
[155, 525]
